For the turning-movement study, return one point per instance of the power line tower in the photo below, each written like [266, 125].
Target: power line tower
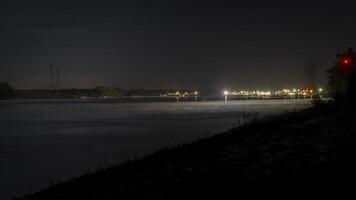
[58, 80]
[54, 79]
[313, 76]
[51, 84]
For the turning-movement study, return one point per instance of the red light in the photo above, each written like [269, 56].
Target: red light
[346, 61]
[346, 65]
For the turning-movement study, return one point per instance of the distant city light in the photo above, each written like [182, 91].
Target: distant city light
[260, 93]
[183, 94]
[295, 92]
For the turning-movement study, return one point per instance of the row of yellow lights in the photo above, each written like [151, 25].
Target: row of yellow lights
[269, 93]
[256, 92]
[181, 94]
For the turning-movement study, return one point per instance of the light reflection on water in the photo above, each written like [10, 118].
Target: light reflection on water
[43, 141]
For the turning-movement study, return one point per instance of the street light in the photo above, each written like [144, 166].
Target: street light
[196, 96]
[226, 93]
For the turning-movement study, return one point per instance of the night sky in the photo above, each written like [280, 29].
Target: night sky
[172, 44]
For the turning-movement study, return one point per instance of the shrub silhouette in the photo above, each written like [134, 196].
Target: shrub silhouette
[342, 77]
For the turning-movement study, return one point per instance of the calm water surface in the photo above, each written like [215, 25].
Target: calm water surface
[44, 141]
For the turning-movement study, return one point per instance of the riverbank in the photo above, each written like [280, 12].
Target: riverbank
[296, 155]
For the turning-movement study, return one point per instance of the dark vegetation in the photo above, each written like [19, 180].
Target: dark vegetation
[107, 91]
[147, 92]
[69, 93]
[6, 91]
[342, 77]
[100, 91]
[310, 153]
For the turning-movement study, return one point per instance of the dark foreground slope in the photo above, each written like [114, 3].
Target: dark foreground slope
[311, 153]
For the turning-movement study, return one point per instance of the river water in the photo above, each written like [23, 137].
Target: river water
[46, 141]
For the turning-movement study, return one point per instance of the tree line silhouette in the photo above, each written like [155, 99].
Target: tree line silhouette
[6, 91]
[342, 77]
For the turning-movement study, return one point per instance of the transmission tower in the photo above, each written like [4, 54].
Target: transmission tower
[311, 74]
[313, 78]
[51, 84]
[58, 80]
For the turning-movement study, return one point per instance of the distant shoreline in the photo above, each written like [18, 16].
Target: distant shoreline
[150, 99]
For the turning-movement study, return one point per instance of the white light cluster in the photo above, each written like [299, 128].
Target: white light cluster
[282, 92]
[180, 94]
[250, 93]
